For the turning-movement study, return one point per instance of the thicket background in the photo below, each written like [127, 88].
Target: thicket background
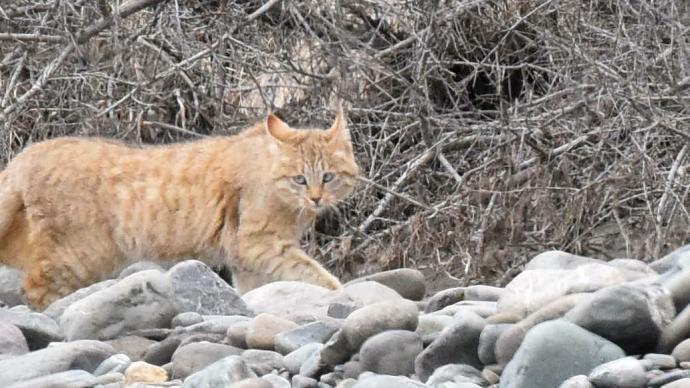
[488, 131]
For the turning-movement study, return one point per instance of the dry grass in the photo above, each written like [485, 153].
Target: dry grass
[488, 131]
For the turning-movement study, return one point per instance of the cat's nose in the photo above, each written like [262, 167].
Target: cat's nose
[315, 200]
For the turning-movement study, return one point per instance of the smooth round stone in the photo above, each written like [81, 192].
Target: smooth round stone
[225, 372]
[381, 381]
[263, 362]
[483, 293]
[668, 377]
[294, 360]
[558, 260]
[236, 335]
[670, 261]
[277, 381]
[487, 342]
[253, 382]
[263, 329]
[38, 329]
[679, 287]
[12, 340]
[283, 298]
[579, 381]
[623, 373]
[682, 351]
[142, 372]
[193, 357]
[10, 286]
[138, 267]
[292, 340]
[408, 283]
[186, 319]
[391, 353]
[456, 373]
[364, 293]
[133, 346]
[661, 361]
[117, 363]
[444, 298]
[680, 383]
[555, 350]
[455, 345]
[299, 381]
[379, 317]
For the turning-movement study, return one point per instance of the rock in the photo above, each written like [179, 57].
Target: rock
[38, 329]
[510, 339]
[263, 362]
[135, 347]
[661, 361]
[313, 366]
[381, 381]
[681, 383]
[675, 332]
[292, 340]
[277, 381]
[364, 293]
[161, 352]
[378, 317]
[337, 350]
[12, 340]
[456, 373]
[59, 357]
[237, 334]
[487, 342]
[482, 308]
[445, 298]
[117, 363]
[340, 310]
[670, 261]
[186, 319]
[667, 378]
[622, 373]
[139, 266]
[70, 379]
[55, 309]
[217, 324]
[391, 352]
[143, 300]
[633, 269]
[483, 293]
[533, 289]
[197, 288]
[294, 360]
[409, 283]
[579, 381]
[630, 316]
[352, 369]
[10, 286]
[553, 351]
[299, 381]
[456, 345]
[283, 298]
[263, 329]
[430, 326]
[222, 373]
[682, 351]
[559, 260]
[142, 372]
[253, 382]
[678, 285]
[193, 357]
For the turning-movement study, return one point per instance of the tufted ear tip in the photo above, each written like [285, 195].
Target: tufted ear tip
[339, 130]
[277, 128]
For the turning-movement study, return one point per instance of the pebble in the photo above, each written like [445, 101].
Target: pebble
[12, 340]
[291, 340]
[262, 331]
[142, 372]
[190, 358]
[407, 282]
[263, 362]
[391, 352]
[622, 373]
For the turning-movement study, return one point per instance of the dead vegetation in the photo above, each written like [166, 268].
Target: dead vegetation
[487, 131]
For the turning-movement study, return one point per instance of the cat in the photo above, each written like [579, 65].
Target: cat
[73, 210]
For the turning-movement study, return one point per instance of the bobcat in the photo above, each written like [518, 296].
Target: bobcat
[73, 210]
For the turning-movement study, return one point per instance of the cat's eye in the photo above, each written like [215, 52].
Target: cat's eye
[300, 179]
[327, 177]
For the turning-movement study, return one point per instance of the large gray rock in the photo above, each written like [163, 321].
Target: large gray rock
[675, 332]
[445, 298]
[533, 289]
[456, 345]
[391, 353]
[10, 286]
[138, 266]
[487, 342]
[39, 329]
[294, 360]
[457, 374]
[631, 316]
[364, 293]
[678, 286]
[554, 351]
[55, 309]
[559, 260]
[58, 357]
[676, 259]
[143, 300]
[197, 288]
[622, 373]
[409, 283]
[284, 298]
[378, 317]
[71, 379]
[12, 341]
[263, 362]
[195, 356]
[220, 374]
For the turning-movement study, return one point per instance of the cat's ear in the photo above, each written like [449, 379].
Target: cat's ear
[339, 130]
[278, 129]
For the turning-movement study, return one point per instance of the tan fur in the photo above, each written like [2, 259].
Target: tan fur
[73, 210]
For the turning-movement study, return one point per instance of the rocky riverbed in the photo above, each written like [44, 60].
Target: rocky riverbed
[566, 321]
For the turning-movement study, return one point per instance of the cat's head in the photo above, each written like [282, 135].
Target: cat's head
[312, 169]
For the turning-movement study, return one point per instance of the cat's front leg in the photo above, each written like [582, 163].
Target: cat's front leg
[264, 262]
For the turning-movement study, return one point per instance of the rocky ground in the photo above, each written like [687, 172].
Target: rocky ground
[565, 321]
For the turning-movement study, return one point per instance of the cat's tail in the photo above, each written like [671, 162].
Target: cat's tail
[10, 203]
